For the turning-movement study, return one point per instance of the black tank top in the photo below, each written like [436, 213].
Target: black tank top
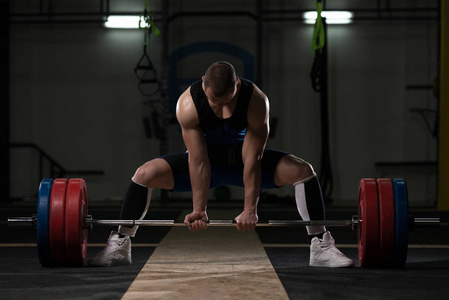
[223, 131]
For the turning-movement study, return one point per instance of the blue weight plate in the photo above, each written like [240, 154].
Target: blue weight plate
[42, 223]
[401, 223]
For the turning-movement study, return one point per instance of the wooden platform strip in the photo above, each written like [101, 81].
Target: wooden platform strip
[218, 263]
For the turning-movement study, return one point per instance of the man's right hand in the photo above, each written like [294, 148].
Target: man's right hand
[195, 220]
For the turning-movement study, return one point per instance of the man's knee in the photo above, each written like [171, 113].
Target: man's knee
[155, 174]
[307, 170]
[292, 169]
[142, 175]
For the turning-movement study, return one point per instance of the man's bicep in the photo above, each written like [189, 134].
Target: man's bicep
[257, 129]
[255, 140]
[188, 120]
[194, 141]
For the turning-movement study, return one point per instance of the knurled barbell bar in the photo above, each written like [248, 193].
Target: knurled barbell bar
[382, 222]
[89, 222]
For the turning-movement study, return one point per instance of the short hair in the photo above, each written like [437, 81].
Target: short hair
[220, 76]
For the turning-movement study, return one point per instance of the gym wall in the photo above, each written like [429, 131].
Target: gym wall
[74, 93]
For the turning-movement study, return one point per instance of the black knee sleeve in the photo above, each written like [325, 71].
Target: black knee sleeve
[314, 199]
[310, 204]
[134, 202]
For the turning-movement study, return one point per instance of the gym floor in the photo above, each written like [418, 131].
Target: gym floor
[424, 276]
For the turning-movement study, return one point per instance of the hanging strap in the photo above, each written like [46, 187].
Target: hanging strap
[318, 39]
[147, 19]
[144, 70]
[317, 73]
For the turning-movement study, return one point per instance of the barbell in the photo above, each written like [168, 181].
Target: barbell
[382, 222]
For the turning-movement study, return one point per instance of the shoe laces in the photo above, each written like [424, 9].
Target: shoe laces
[329, 246]
[117, 241]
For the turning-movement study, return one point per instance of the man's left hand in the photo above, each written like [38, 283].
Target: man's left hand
[247, 220]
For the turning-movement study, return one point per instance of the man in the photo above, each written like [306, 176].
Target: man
[224, 122]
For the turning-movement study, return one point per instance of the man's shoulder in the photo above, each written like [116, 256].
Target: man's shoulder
[185, 109]
[258, 95]
[259, 106]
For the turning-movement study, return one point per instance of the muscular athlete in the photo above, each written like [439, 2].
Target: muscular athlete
[224, 122]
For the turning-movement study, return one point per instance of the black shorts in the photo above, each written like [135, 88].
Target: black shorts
[226, 167]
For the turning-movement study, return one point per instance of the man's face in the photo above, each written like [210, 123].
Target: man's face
[223, 100]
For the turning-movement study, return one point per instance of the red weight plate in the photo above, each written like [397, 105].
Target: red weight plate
[75, 217]
[57, 221]
[368, 230]
[387, 230]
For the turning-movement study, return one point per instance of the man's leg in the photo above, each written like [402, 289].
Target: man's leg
[154, 174]
[134, 207]
[294, 171]
[309, 202]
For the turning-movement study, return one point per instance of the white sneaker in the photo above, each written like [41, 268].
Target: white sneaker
[323, 253]
[116, 253]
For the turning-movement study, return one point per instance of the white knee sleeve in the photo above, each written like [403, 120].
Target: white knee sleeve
[302, 205]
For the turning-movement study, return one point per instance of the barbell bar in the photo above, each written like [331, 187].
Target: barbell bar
[382, 222]
[90, 222]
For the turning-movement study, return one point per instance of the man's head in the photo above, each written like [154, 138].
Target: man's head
[220, 82]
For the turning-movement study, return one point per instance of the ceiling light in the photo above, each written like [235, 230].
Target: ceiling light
[127, 22]
[332, 17]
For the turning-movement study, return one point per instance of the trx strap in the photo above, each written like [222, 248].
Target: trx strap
[318, 40]
[145, 72]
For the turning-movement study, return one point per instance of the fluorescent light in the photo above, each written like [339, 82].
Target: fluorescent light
[127, 22]
[332, 17]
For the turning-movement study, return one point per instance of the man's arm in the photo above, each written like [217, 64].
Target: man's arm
[253, 147]
[199, 166]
